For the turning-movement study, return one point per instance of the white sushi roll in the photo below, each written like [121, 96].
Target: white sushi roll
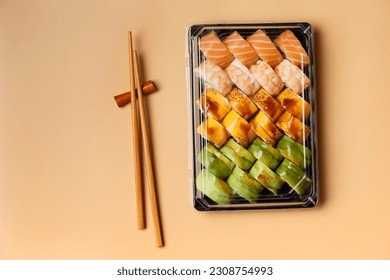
[292, 76]
[215, 77]
[242, 77]
[267, 77]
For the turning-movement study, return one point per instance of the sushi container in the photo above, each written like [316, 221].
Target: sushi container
[252, 104]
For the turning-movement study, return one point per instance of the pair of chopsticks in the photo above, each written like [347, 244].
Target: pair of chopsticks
[135, 83]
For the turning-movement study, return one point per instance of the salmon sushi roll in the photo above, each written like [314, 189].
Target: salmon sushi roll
[264, 47]
[215, 77]
[267, 77]
[292, 48]
[241, 49]
[242, 77]
[215, 51]
[292, 76]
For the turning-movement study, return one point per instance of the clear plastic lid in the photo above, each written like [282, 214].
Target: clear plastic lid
[253, 116]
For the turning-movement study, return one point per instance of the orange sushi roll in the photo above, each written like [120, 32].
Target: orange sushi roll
[239, 128]
[266, 103]
[241, 104]
[241, 49]
[294, 104]
[293, 127]
[264, 47]
[267, 77]
[260, 131]
[262, 122]
[214, 104]
[214, 132]
[292, 48]
[215, 51]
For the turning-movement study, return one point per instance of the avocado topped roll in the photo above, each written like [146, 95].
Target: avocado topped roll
[295, 152]
[294, 176]
[244, 185]
[213, 187]
[265, 153]
[215, 161]
[265, 176]
[238, 154]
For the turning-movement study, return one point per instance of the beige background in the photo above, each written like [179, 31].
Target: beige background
[66, 187]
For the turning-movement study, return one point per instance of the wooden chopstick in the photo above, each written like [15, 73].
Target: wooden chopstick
[148, 158]
[136, 149]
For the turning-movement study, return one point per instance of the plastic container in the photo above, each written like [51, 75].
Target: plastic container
[245, 156]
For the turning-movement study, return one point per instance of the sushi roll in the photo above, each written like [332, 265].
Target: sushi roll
[294, 104]
[239, 128]
[214, 104]
[213, 187]
[262, 123]
[264, 47]
[266, 103]
[215, 51]
[292, 76]
[292, 48]
[293, 127]
[241, 49]
[267, 77]
[240, 156]
[241, 103]
[244, 185]
[266, 177]
[242, 77]
[214, 132]
[215, 77]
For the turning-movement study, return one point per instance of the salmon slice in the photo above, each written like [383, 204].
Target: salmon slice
[264, 47]
[242, 77]
[292, 76]
[215, 50]
[292, 48]
[215, 77]
[267, 77]
[241, 49]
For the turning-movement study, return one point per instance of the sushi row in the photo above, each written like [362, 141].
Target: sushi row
[244, 118]
[234, 170]
[259, 75]
[257, 45]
